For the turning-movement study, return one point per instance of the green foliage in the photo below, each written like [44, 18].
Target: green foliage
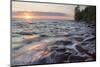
[88, 14]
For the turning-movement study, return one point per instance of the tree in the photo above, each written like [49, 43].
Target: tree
[88, 14]
[77, 13]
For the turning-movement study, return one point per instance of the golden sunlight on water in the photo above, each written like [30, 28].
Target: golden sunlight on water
[29, 37]
[34, 47]
[40, 55]
[45, 53]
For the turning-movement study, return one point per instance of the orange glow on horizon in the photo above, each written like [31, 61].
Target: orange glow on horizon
[28, 16]
[25, 16]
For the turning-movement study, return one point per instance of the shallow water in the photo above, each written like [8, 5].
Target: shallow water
[52, 41]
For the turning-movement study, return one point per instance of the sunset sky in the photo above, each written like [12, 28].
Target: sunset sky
[66, 10]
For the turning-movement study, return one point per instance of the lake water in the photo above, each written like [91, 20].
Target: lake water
[52, 41]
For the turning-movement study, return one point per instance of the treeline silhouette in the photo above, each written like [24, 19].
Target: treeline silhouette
[88, 14]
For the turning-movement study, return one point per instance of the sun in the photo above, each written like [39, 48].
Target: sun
[28, 16]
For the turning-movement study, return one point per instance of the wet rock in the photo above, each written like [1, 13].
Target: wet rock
[78, 38]
[94, 33]
[92, 25]
[80, 49]
[25, 33]
[71, 51]
[93, 56]
[43, 35]
[55, 57]
[64, 42]
[77, 59]
[67, 35]
[27, 41]
[42, 61]
[61, 57]
[84, 43]
[60, 49]
[90, 38]
[67, 42]
[16, 48]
